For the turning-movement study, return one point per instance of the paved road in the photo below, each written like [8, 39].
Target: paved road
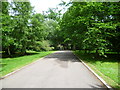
[58, 70]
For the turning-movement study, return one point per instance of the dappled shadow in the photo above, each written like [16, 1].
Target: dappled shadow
[16, 55]
[64, 56]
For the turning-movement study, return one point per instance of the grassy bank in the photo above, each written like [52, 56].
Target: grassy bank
[14, 63]
[107, 68]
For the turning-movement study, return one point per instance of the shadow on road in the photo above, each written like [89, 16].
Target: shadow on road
[63, 58]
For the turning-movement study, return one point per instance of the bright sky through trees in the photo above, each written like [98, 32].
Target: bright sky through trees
[43, 5]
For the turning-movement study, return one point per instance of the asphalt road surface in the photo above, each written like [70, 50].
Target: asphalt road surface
[58, 70]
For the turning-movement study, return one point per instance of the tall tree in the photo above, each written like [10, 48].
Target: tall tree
[91, 25]
[7, 39]
[21, 15]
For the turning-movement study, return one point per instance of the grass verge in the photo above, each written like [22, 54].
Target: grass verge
[12, 64]
[107, 68]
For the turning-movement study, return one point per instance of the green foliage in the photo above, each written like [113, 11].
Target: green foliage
[53, 14]
[22, 28]
[15, 26]
[44, 45]
[92, 26]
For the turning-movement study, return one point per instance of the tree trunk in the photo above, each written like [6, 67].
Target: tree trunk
[23, 50]
[74, 47]
[97, 54]
[8, 51]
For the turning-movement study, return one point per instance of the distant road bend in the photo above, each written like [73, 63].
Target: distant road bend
[58, 70]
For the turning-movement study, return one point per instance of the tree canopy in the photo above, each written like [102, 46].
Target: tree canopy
[89, 26]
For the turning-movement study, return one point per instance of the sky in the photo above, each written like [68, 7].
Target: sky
[43, 5]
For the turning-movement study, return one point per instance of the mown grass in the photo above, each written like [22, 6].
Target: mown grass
[16, 62]
[107, 68]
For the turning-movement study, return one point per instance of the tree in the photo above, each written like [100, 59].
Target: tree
[15, 20]
[21, 15]
[37, 31]
[52, 19]
[7, 39]
[91, 26]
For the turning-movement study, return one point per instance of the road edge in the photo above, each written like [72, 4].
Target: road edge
[24, 66]
[109, 87]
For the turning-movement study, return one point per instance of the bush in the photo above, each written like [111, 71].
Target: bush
[44, 45]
